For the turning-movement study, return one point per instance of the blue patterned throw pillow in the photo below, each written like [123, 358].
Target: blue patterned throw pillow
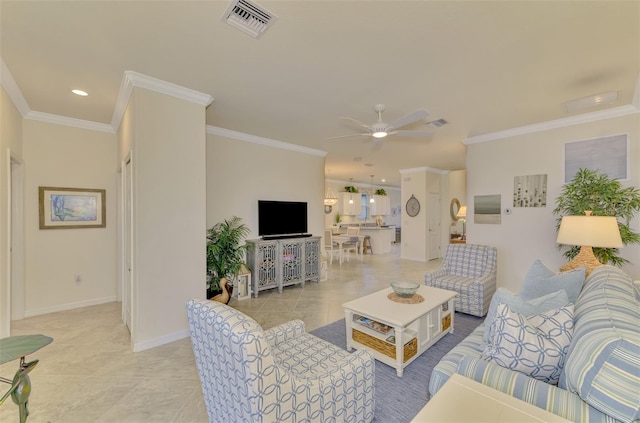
[541, 280]
[536, 345]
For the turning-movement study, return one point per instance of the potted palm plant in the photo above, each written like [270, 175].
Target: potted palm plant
[226, 251]
[595, 191]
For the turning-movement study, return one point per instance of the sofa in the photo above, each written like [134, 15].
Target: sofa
[470, 270]
[599, 380]
[281, 374]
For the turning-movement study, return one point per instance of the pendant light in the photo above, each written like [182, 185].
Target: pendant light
[330, 198]
[371, 199]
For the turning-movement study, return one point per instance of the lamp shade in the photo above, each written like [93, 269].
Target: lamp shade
[462, 212]
[592, 231]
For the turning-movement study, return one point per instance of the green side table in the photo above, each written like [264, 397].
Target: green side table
[15, 347]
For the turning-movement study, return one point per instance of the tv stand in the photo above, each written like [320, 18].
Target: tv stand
[270, 237]
[276, 263]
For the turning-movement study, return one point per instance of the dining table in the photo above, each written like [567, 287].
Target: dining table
[341, 239]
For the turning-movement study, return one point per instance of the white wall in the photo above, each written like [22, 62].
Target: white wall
[239, 173]
[64, 156]
[414, 229]
[529, 233]
[10, 140]
[167, 136]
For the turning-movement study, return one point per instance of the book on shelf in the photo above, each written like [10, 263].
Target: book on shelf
[372, 324]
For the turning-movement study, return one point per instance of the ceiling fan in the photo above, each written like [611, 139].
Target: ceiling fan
[380, 129]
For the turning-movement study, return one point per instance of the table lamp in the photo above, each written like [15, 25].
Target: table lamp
[588, 231]
[462, 215]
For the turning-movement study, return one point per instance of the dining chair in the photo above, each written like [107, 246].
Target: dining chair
[330, 246]
[352, 245]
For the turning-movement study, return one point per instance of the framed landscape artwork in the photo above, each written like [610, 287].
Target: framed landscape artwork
[486, 208]
[70, 208]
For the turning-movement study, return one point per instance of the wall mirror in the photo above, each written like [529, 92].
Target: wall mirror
[453, 209]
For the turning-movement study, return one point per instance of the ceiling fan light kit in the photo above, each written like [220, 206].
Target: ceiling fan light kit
[380, 129]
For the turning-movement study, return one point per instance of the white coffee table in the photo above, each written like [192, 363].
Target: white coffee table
[398, 333]
[479, 403]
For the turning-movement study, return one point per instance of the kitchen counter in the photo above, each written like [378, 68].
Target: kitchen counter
[381, 238]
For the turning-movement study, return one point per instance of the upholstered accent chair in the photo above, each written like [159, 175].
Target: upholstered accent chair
[470, 270]
[279, 374]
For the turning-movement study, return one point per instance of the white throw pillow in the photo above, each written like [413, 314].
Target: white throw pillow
[517, 304]
[536, 345]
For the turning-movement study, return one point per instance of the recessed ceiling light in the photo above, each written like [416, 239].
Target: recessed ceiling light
[383, 180]
[80, 92]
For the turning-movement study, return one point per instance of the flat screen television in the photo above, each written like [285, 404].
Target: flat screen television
[281, 218]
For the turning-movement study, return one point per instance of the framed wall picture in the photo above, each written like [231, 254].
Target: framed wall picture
[530, 191]
[70, 208]
[486, 208]
[608, 155]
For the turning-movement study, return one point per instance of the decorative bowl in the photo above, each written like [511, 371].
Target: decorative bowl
[405, 289]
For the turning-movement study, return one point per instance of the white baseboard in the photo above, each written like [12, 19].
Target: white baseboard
[152, 343]
[68, 306]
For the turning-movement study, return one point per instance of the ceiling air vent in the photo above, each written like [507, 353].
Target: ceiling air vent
[437, 123]
[248, 17]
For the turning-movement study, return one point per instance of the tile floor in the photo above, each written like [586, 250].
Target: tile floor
[89, 374]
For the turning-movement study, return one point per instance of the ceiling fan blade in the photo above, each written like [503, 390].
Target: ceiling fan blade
[416, 134]
[348, 136]
[409, 119]
[355, 123]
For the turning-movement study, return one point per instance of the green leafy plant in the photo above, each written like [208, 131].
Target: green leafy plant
[338, 217]
[350, 188]
[595, 191]
[380, 191]
[225, 251]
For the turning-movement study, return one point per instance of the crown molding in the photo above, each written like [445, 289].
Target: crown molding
[424, 169]
[554, 124]
[140, 80]
[12, 89]
[133, 79]
[241, 136]
[67, 121]
[124, 94]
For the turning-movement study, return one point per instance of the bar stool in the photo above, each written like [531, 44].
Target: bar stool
[366, 245]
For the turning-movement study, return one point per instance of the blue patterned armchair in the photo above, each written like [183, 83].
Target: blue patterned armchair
[470, 270]
[280, 374]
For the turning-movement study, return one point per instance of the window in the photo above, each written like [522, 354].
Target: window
[364, 208]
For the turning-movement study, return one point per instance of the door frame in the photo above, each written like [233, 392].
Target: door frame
[434, 227]
[15, 297]
[126, 284]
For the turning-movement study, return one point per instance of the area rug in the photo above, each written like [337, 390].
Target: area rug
[399, 399]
